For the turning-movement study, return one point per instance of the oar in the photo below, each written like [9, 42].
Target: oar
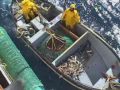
[75, 37]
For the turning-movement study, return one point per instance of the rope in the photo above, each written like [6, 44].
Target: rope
[23, 33]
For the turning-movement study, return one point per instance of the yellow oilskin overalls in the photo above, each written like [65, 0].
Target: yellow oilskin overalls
[71, 18]
[29, 9]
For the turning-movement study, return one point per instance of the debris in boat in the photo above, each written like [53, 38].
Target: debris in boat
[86, 51]
[72, 68]
[76, 63]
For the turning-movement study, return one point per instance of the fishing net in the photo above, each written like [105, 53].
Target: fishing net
[52, 54]
[55, 42]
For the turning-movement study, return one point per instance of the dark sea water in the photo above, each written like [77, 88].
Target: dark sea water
[96, 15]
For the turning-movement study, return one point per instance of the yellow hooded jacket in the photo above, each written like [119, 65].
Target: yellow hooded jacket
[71, 18]
[29, 8]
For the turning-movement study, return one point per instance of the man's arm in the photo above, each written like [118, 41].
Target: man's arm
[77, 17]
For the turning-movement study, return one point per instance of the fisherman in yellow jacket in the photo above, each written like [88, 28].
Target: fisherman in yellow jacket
[71, 17]
[29, 9]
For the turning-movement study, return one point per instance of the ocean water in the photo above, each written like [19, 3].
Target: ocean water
[102, 16]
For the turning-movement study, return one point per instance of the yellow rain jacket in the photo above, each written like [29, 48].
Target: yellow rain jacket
[29, 9]
[71, 18]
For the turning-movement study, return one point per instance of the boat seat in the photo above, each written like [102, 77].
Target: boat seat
[55, 20]
[38, 37]
[18, 16]
[21, 24]
[84, 79]
[100, 84]
[36, 23]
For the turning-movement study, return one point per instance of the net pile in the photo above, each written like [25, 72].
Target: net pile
[51, 54]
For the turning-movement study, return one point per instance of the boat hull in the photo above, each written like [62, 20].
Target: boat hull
[61, 75]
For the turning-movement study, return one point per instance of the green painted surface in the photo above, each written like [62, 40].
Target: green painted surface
[16, 64]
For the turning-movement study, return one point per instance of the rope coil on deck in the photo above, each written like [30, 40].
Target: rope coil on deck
[25, 33]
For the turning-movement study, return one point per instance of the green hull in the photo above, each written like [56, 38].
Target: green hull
[16, 64]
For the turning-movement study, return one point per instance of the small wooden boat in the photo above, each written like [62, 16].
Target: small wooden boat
[82, 60]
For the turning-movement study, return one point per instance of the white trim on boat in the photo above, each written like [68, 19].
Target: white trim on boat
[2, 69]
